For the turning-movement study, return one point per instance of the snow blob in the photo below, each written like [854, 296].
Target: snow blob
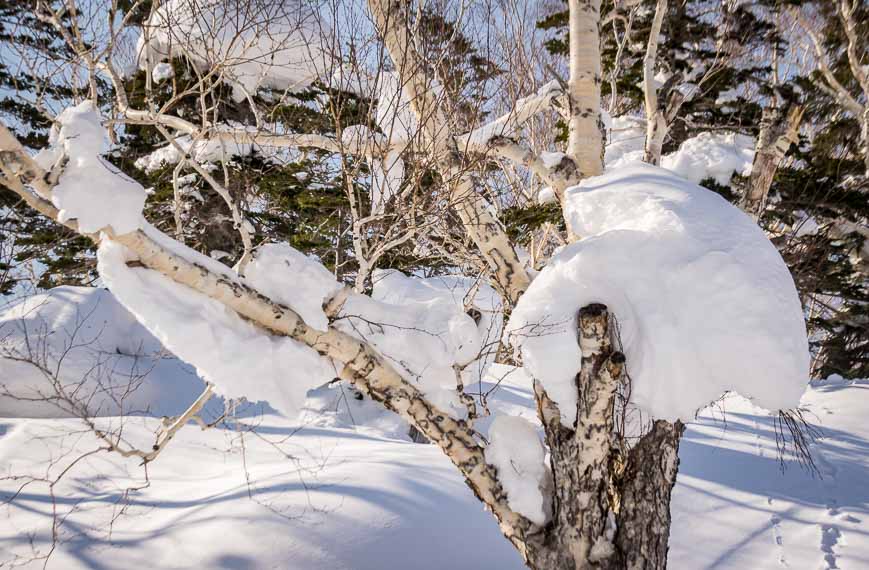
[273, 44]
[703, 300]
[90, 190]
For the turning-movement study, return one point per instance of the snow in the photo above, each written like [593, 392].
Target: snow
[210, 150]
[353, 497]
[516, 451]
[101, 357]
[546, 195]
[240, 359]
[394, 114]
[704, 302]
[420, 326]
[754, 514]
[552, 159]
[90, 190]
[292, 278]
[270, 44]
[707, 155]
[712, 155]
[805, 224]
[162, 71]
[627, 136]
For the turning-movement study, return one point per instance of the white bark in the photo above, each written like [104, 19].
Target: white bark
[392, 18]
[656, 124]
[585, 129]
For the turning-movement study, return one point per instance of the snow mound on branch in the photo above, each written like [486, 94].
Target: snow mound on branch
[213, 150]
[516, 451]
[292, 278]
[102, 359]
[420, 326]
[268, 44]
[712, 155]
[240, 359]
[90, 190]
[704, 302]
[162, 71]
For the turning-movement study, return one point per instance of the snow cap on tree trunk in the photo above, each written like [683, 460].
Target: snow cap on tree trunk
[90, 190]
[703, 301]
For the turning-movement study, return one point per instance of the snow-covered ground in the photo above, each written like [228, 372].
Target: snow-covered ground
[323, 493]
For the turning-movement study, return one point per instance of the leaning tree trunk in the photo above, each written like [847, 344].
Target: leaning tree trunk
[779, 128]
[611, 504]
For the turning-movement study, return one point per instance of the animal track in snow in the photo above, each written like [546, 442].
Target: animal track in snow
[831, 537]
[775, 521]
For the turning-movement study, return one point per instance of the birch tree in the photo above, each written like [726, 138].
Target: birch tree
[606, 493]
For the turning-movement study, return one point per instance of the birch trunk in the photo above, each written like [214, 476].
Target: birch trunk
[656, 123]
[585, 128]
[611, 508]
[779, 128]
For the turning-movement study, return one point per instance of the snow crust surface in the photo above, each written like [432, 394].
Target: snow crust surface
[355, 498]
[90, 190]
[240, 359]
[704, 302]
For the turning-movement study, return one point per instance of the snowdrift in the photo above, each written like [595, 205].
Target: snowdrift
[81, 343]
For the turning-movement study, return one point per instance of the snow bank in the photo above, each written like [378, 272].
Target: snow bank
[707, 155]
[704, 302]
[627, 135]
[268, 44]
[340, 406]
[290, 277]
[712, 155]
[102, 358]
[240, 359]
[421, 327]
[90, 190]
[515, 449]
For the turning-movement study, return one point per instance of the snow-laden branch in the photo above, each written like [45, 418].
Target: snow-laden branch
[549, 96]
